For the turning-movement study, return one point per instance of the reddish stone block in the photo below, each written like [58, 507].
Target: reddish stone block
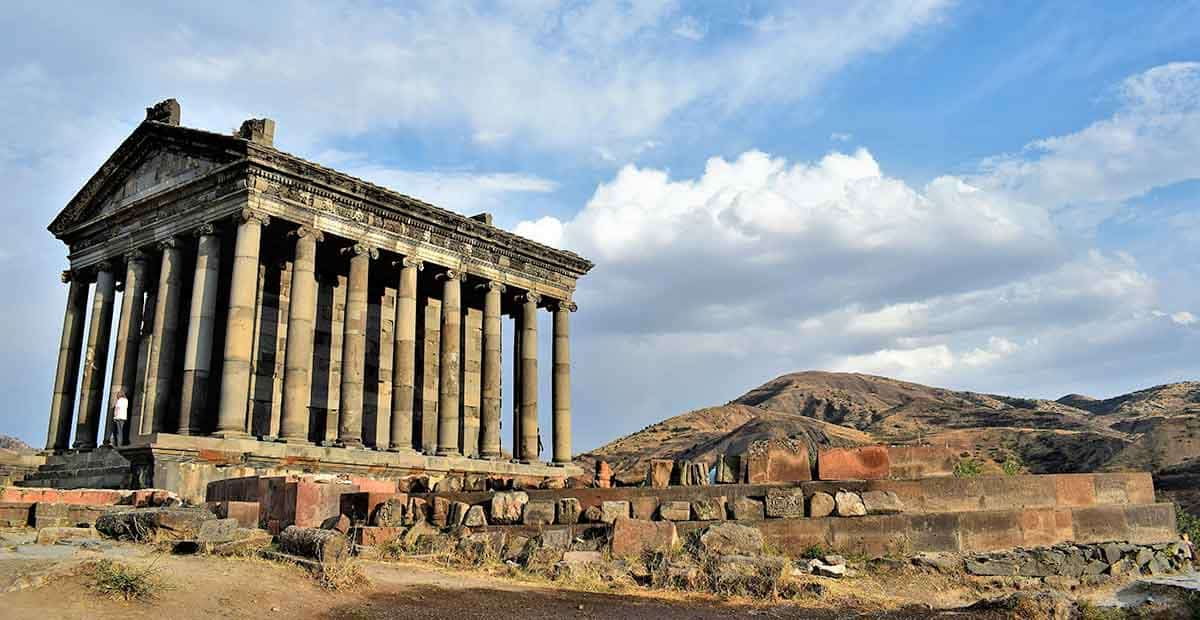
[631, 537]
[373, 536]
[644, 507]
[316, 502]
[866, 463]
[246, 513]
[916, 462]
[374, 485]
[769, 462]
[1039, 528]
[15, 514]
[991, 530]
[1074, 490]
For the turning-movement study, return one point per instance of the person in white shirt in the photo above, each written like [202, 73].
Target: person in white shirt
[116, 433]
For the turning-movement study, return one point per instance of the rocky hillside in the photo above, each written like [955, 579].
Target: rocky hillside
[1156, 429]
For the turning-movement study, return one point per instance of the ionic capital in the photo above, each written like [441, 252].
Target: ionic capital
[449, 274]
[205, 230]
[135, 256]
[563, 306]
[491, 285]
[529, 297]
[408, 261]
[170, 243]
[307, 231]
[68, 276]
[104, 265]
[360, 249]
[246, 216]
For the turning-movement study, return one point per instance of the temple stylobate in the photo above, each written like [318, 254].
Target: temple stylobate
[277, 309]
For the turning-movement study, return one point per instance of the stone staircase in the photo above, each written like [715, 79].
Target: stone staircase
[103, 468]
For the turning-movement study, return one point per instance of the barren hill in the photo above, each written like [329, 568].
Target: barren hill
[1152, 429]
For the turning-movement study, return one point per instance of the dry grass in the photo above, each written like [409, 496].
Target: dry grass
[341, 575]
[121, 581]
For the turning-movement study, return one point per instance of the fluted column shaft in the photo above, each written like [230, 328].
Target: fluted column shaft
[197, 356]
[302, 312]
[162, 348]
[91, 398]
[145, 343]
[561, 382]
[66, 379]
[129, 329]
[404, 356]
[529, 378]
[449, 384]
[239, 331]
[354, 347]
[516, 383]
[490, 400]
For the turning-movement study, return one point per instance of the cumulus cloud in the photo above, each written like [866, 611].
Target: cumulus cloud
[1183, 318]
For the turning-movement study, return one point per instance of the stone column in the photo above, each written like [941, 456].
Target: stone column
[66, 380]
[161, 364]
[448, 372]
[529, 378]
[302, 313]
[404, 356]
[239, 331]
[516, 383]
[489, 414]
[354, 347]
[145, 342]
[561, 381]
[129, 327]
[91, 398]
[197, 356]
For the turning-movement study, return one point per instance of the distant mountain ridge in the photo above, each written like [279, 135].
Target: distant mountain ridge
[1148, 430]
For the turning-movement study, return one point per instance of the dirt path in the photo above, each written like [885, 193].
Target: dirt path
[209, 587]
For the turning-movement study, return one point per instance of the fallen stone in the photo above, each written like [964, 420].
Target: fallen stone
[612, 510]
[217, 531]
[822, 569]
[990, 568]
[418, 511]
[457, 514]
[452, 484]
[315, 543]
[658, 473]
[1143, 557]
[515, 547]
[643, 507]
[568, 511]
[675, 511]
[1112, 553]
[849, 504]
[393, 512]
[882, 502]
[582, 557]
[555, 538]
[441, 511]
[55, 535]
[475, 517]
[1120, 567]
[51, 514]
[143, 524]
[732, 539]
[699, 474]
[632, 537]
[593, 514]
[245, 541]
[834, 559]
[538, 512]
[681, 473]
[820, 505]
[727, 467]
[752, 575]
[1095, 567]
[747, 509]
[542, 559]
[421, 537]
[507, 508]
[940, 562]
[709, 509]
[785, 503]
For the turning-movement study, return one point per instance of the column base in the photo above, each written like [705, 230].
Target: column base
[402, 450]
[559, 463]
[491, 457]
[231, 435]
[294, 441]
[350, 444]
[448, 452]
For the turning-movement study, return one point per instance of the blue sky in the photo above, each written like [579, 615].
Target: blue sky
[991, 196]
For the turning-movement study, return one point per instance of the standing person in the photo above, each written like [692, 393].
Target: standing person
[120, 415]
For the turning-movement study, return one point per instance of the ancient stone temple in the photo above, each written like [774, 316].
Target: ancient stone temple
[277, 314]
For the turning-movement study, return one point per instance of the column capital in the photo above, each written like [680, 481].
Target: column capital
[205, 230]
[250, 215]
[409, 261]
[169, 243]
[69, 276]
[563, 306]
[307, 231]
[104, 265]
[528, 297]
[491, 285]
[449, 274]
[359, 249]
[135, 256]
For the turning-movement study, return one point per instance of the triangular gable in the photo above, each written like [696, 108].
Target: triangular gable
[154, 157]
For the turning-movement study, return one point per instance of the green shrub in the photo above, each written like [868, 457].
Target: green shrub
[968, 468]
[1012, 465]
[814, 552]
[1187, 523]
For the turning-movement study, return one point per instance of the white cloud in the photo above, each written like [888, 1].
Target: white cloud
[464, 192]
[1183, 318]
[1151, 141]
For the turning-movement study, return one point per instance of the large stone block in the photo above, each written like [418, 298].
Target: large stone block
[316, 502]
[475, 517]
[506, 508]
[360, 505]
[775, 461]
[991, 530]
[1074, 490]
[820, 505]
[658, 474]
[246, 513]
[728, 467]
[875, 535]
[612, 510]
[643, 507]
[732, 539]
[747, 509]
[866, 463]
[632, 537]
[568, 511]
[785, 503]
[675, 511]
[849, 504]
[539, 512]
[52, 535]
[882, 502]
[458, 513]
[917, 462]
[441, 511]
[709, 509]
[46, 514]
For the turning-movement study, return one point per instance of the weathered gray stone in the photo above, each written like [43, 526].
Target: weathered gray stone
[747, 509]
[539, 512]
[217, 531]
[675, 511]
[165, 524]
[555, 538]
[752, 575]
[610, 511]
[1094, 567]
[476, 517]
[245, 541]
[991, 568]
[785, 503]
[732, 539]
[825, 569]
[393, 512]
[316, 543]
[515, 547]
[568, 511]
[507, 507]
[709, 509]
[820, 505]
[727, 467]
[1143, 557]
[882, 502]
[1112, 553]
[849, 504]
[457, 514]
[54, 535]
